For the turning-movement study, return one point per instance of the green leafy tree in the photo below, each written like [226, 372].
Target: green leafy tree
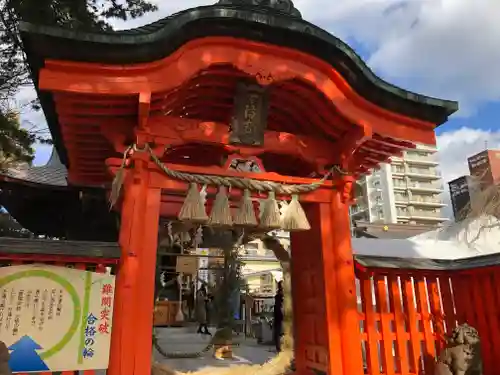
[84, 15]
[16, 144]
[229, 283]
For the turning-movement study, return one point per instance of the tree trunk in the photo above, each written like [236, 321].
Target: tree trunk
[230, 283]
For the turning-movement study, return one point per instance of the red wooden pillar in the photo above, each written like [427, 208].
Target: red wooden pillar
[324, 294]
[134, 298]
[345, 281]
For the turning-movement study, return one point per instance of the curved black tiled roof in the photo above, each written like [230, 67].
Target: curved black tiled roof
[271, 21]
[54, 173]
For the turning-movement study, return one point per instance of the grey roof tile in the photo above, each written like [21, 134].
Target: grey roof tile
[54, 173]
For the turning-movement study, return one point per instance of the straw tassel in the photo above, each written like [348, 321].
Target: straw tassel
[270, 213]
[221, 213]
[294, 218]
[193, 208]
[246, 214]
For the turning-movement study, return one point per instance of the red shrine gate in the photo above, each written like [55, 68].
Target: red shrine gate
[183, 107]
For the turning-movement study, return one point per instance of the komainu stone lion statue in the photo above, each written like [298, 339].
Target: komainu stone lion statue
[462, 355]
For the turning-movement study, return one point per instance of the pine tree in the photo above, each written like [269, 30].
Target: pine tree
[15, 142]
[85, 15]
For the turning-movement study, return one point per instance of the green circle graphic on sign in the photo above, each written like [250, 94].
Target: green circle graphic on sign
[68, 287]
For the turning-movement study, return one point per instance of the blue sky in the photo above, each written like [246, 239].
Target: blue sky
[485, 116]
[443, 48]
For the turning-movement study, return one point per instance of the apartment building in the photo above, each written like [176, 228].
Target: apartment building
[407, 191]
[261, 269]
[484, 169]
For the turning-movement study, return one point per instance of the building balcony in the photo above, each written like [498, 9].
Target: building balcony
[399, 185]
[427, 202]
[421, 160]
[401, 201]
[398, 171]
[427, 215]
[424, 173]
[396, 160]
[401, 197]
[402, 214]
[428, 187]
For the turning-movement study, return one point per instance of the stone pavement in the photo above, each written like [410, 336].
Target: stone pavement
[186, 340]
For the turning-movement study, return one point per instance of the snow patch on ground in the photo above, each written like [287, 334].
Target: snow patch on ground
[466, 239]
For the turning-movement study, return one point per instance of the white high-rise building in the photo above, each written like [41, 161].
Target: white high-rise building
[407, 191]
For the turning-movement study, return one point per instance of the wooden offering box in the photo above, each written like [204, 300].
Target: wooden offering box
[165, 312]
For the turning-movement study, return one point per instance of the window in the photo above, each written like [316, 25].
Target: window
[401, 196]
[402, 211]
[251, 249]
[417, 154]
[398, 182]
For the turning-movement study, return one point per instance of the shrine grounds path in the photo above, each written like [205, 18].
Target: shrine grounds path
[186, 340]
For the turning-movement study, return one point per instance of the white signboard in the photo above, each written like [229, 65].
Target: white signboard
[55, 318]
[186, 264]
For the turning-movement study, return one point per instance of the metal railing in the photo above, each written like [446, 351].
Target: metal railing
[425, 213]
[422, 185]
[424, 171]
[425, 200]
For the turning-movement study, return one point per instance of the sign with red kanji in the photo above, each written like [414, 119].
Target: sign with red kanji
[56, 318]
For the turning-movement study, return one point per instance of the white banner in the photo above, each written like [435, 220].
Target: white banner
[55, 318]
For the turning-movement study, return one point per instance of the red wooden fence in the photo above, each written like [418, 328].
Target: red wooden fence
[406, 314]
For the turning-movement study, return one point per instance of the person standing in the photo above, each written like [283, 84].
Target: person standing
[201, 310]
[278, 317]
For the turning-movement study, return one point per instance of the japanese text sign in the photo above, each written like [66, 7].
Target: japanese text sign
[55, 318]
[251, 106]
[186, 264]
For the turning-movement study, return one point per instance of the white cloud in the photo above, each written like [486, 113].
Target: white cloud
[454, 149]
[451, 52]
[445, 48]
